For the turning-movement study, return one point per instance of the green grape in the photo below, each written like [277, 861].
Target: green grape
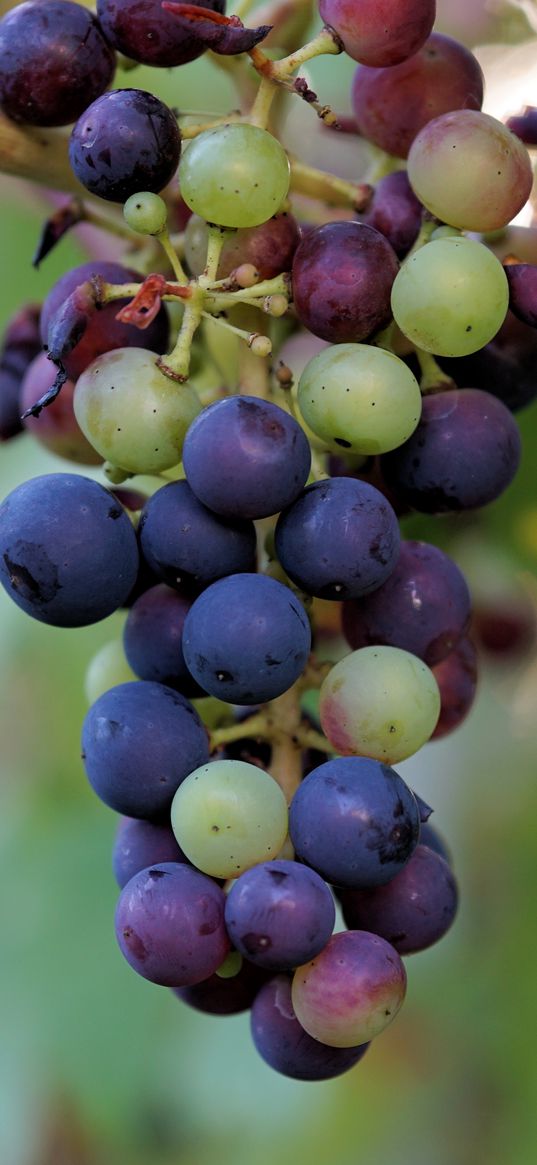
[380, 702]
[228, 816]
[107, 669]
[235, 175]
[146, 213]
[231, 966]
[359, 398]
[134, 415]
[444, 233]
[451, 297]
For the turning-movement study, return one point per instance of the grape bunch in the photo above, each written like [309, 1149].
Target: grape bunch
[294, 363]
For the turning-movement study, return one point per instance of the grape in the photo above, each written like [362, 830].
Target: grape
[68, 552]
[152, 638]
[470, 171]
[269, 247]
[235, 175]
[107, 668]
[522, 280]
[380, 35]
[430, 837]
[392, 105]
[103, 332]
[170, 925]
[228, 816]
[55, 427]
[125, 141]
[451, 297]
[505, 627]
[339, 540]
[134, 415]
[20, 346]
[505, 367]
[342, 277]
[360, 398]
[354, 821]
[380, 702]
[456, 677]
[139, 741]
[463, 454]
[217, 996]
[279, 914]
[54, 60]
[147, 33]
[524, 125]
[185, 543]
[246, 639]
[414, 911]
[146, 213]
[139, 844]
[424, 606]
[395, 211]
[351, 991]
[286, 1047]
[246, 458]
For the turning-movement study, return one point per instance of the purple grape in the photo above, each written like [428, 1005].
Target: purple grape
[395, 211]
[505, 628]
[463, 454]
[391, 105]
[522, 280]
[430, 837]
[355, 821]
[505, 367]
[246, 639]
[126, 141]
[342, 279]
[282, 1042]
[139, 844]
[424, 606]
[139, 741]
[56, 427]
[170, 925]
[413, 911]
[269, 247]
[152, 638]
[54, 60]
[21, 344]
[339, 540]
[148, 34]
[524, 125]
[246, 458]
[380, 34]
[68, 553]
[104, 332]
[229, 996]
[279, 914]
[456, 677]
[183, 542]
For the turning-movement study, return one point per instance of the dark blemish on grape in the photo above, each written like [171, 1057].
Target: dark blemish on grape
[224, 677]
[344, 444]
[216, 828]
[256, 943]
[156, 874]
[278, 876]
[114, 513]
[134, 943]
[38, 584]
[387, 1012]
[469, 328]
[270, 662]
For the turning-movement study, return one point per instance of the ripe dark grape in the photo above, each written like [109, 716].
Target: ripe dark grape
[139, 741]
[54, 60]
[125, 141]
[463, 454]
[392, 105]
[21, 344]
[424, 606]
[339, 540]
[522, 280]
[170, 925]
[380, 34]
[505, 368]
[279, 914]
[68, 553]
[139, 844]
[225, 996]
[456, 677]
[342, 279]
[147, 33]
[286, 1046]
[152, 638]
[430, 837]
[395, 211]
[355, 821]
[524, 125]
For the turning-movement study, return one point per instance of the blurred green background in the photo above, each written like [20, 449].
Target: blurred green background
[98, 1067]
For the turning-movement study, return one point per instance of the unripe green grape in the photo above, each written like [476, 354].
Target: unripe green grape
[146, 213]
[107, 669]
[380, 702]
[229, 815]
[451, 297]
[359, 398]
[236, 175]
[134, 415]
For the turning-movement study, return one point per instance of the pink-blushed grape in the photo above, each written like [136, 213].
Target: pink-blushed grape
[380, 32]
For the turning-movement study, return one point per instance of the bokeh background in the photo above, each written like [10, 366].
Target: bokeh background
[98, 1067]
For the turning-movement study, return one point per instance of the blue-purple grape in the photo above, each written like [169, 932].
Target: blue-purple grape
[229, 996]
[153, 638]
[395, 211]
[279, 914]
[284, 1044]
[139, 844]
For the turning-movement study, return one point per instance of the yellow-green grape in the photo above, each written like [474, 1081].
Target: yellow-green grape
[451, 297]
[231, 966]
[445, 232]
[359, 398]
[134, 415]
[212, 711]
[107, 669]
[146, 213]
[229, 815]
[380, 702]
[236, 175]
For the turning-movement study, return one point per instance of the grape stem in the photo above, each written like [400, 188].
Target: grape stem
[276, 74]
[433, 378]
[329, 188]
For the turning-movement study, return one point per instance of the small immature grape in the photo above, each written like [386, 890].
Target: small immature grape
[380, 702]
[146, 213]
[107, 668]
[228, 816]
[235, 175]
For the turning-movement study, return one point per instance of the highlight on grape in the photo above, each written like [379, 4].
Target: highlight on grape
[295, 364]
